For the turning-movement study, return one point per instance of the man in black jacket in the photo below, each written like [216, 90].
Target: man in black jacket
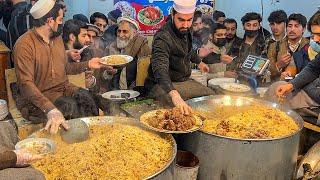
[306, 84]
[172, 54]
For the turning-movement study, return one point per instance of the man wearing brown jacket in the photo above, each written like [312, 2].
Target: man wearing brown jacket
[128, 42]
[280, 52]
[41, 67]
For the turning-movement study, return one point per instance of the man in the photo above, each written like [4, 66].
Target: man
[128, 42]
[253, 42]
[304, 88]
[218, 59]
[233, 41]
[14, 163]
[94, 34]
[99, 20]
[169, 72]
[197, 29]
[113, 16]
[81, 17]
[75, 35]
[19, 22]
[218, 17]
[41, 69]
[277, 22]
[282, 52]
[110, 34]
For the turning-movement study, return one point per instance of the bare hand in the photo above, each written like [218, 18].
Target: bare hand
[203, 67]
[203, 52]
[180, 103]
[24, 157]
[284, 90]
[226, 59]
[55, 119]
[74, 55]
[284, 61]
[230, 74]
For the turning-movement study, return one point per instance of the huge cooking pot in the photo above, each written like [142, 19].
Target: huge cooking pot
[166, 172]
[242, 159]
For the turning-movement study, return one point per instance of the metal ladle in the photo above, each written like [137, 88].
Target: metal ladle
[78, 131]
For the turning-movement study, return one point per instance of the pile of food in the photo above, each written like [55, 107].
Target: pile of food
[114, 60]
[36, 148]
[248, 122]
[171, 119]
[112, 152]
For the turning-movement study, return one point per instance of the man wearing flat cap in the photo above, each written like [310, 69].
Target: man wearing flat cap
[44, 91]
[172, 53]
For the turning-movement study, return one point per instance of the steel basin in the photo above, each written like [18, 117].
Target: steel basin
[242, 159]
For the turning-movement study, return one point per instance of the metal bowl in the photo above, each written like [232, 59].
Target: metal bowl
[163, 173]
[209, 102]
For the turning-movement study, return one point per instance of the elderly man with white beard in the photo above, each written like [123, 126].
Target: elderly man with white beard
[128, 42]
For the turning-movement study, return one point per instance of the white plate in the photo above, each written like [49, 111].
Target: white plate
[218, 81]
[127, 58]
[235, 87]
[108, 95]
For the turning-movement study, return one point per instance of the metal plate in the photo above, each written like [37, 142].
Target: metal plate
[126, 57]
[235, 87]
[109, 94]
[218, 81]
[102, 120]
[44, 145]
[144, 120]
[207, 103]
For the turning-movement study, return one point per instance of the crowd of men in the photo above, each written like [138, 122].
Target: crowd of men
[46, 48]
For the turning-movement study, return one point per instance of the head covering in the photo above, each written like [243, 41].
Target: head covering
[130, 20]
[185, 6]
[41, 8]
[92, 27]
[114, 15]
[81, 17]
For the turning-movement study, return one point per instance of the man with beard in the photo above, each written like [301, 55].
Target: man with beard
[218, 59]
[41, 68]
[172, 53]
[253, 42]
[197, 28]
[75, 37]
[282, 52]
[233, 41]
[128, 42]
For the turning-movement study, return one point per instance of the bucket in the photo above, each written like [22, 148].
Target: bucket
[187, 166]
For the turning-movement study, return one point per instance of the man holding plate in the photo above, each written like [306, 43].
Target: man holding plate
[172, 53]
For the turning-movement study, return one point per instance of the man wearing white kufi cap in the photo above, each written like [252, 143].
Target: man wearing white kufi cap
[41, 67]
[172, 53]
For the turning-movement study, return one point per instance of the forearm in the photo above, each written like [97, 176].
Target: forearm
[307, 75]
[34, 95]
[77, 68]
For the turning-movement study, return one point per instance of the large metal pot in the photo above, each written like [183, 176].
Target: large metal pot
[242, 159]
[167, 171]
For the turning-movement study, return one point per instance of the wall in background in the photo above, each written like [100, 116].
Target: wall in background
[233, 8]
